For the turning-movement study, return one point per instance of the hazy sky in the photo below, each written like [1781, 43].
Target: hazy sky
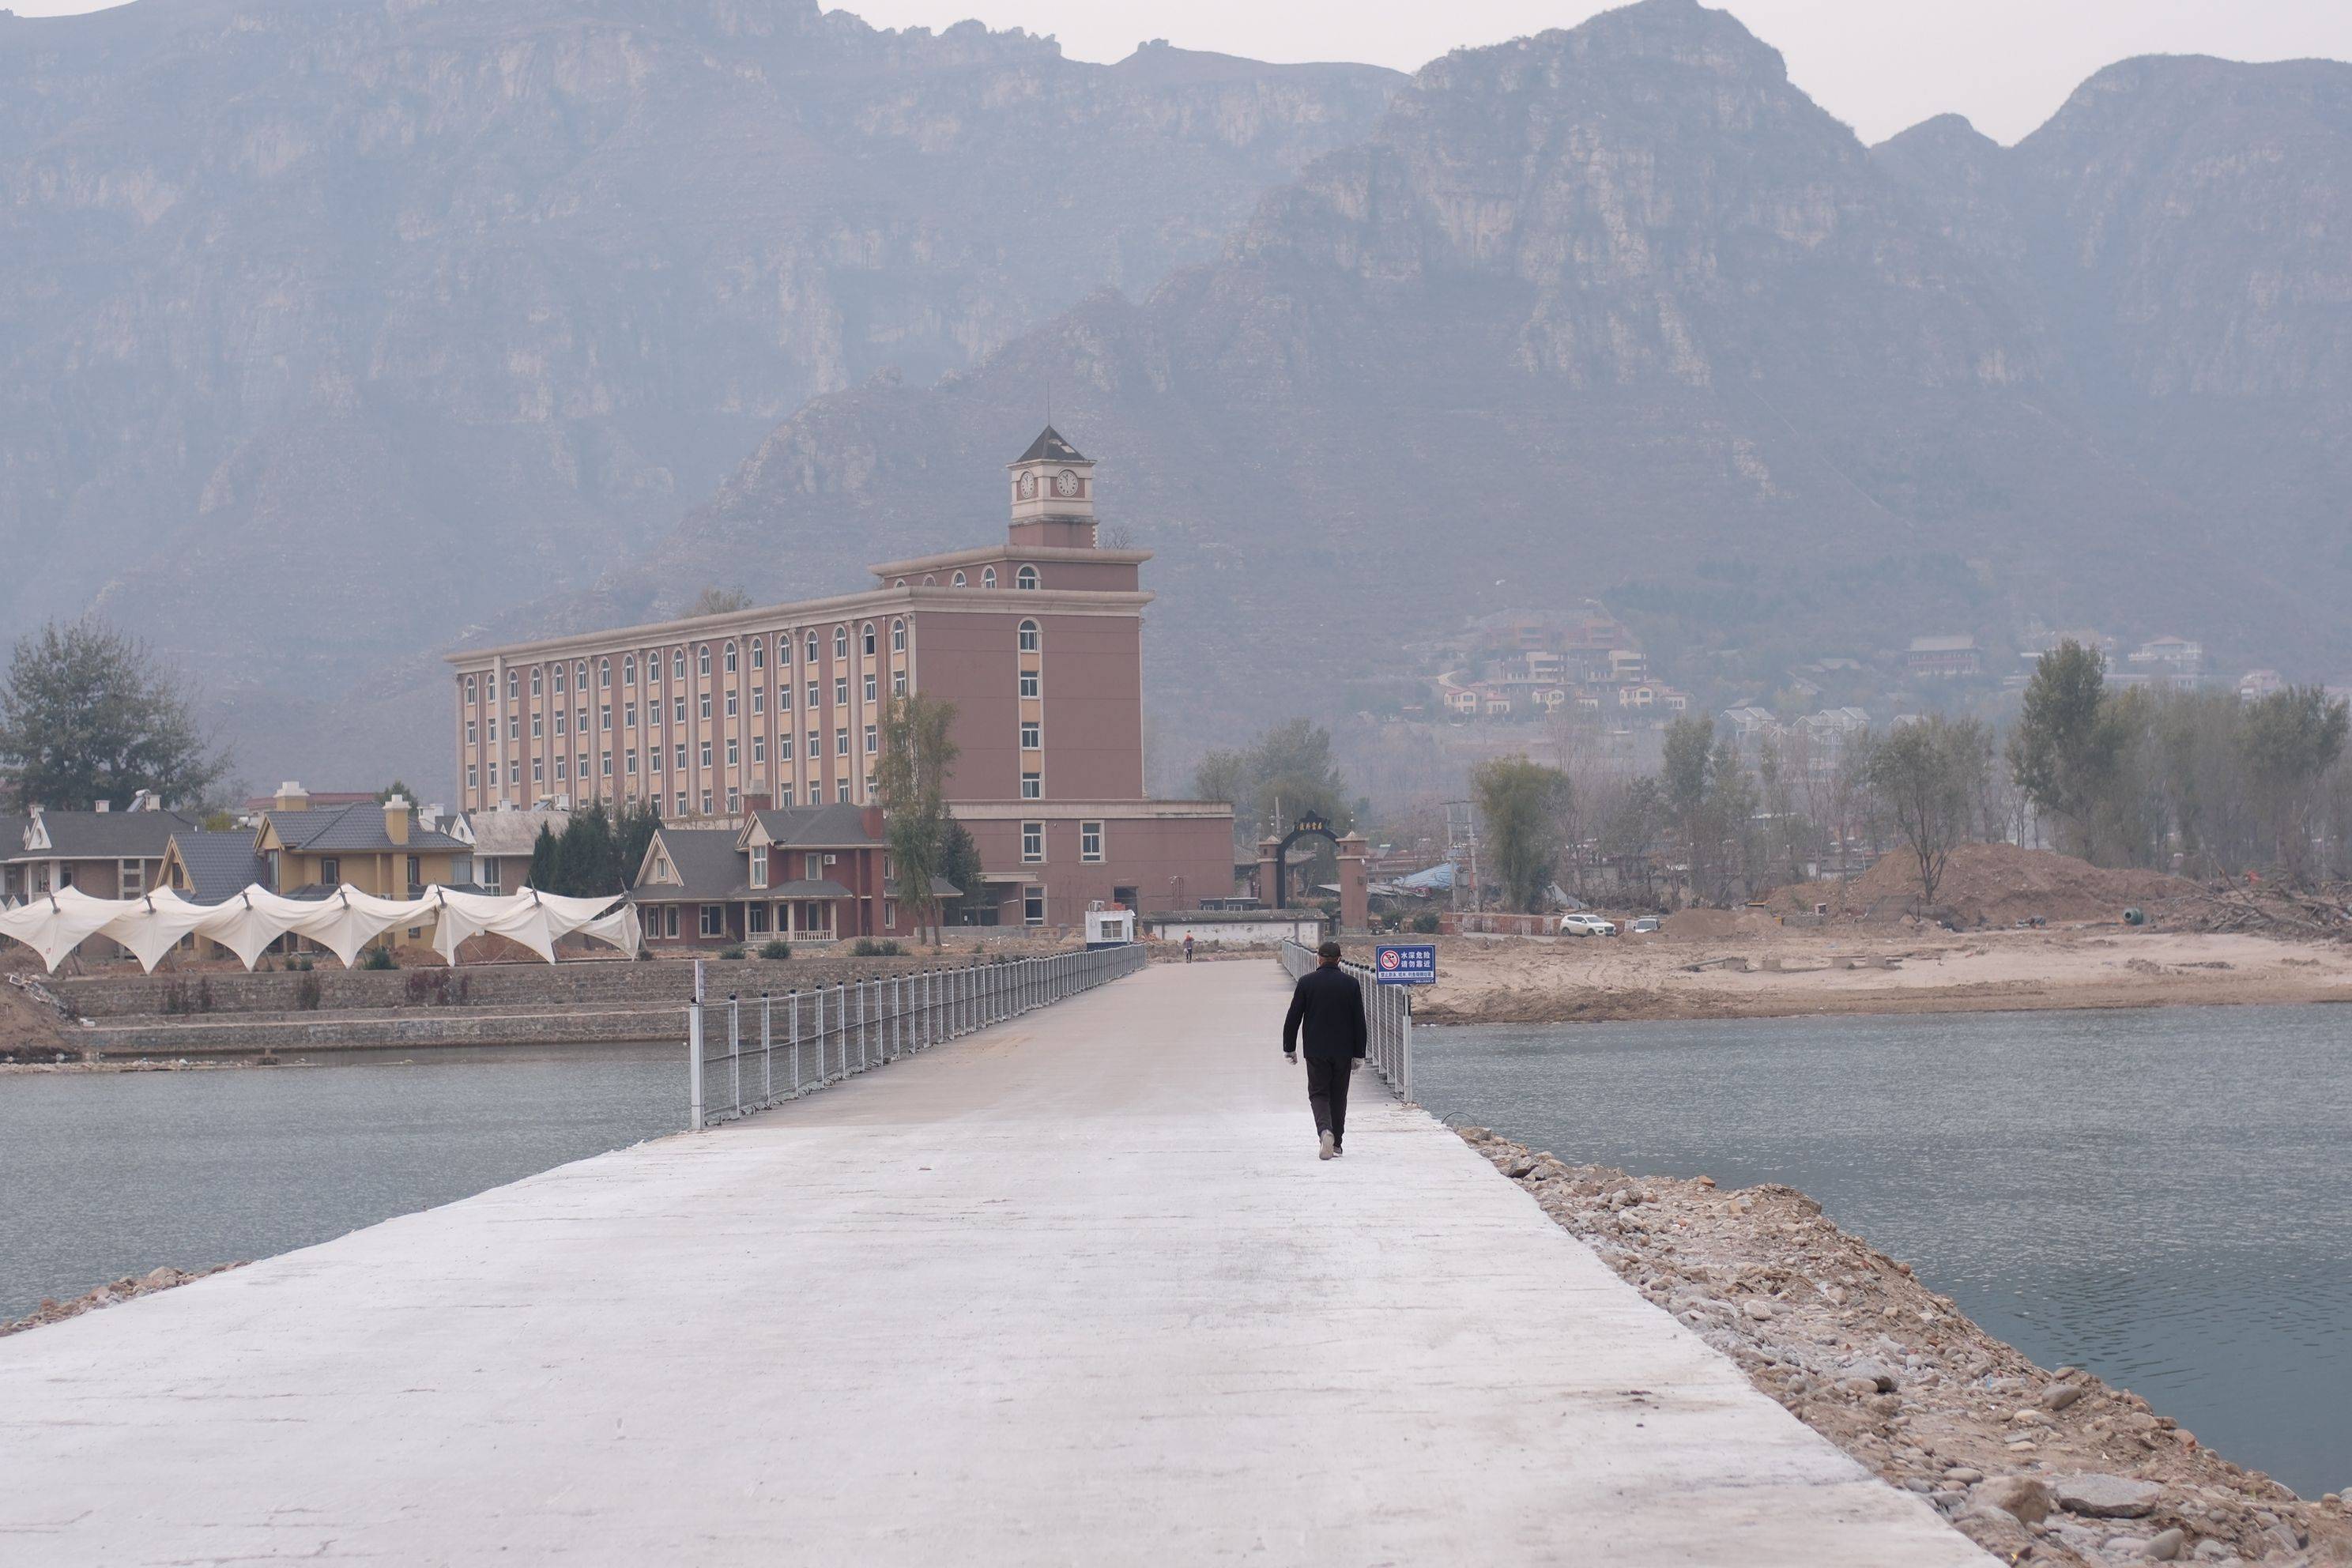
[1880, 65]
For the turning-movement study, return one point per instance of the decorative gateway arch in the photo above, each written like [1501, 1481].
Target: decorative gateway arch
[1274, 870]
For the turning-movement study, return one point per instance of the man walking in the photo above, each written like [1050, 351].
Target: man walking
[1330, 1009]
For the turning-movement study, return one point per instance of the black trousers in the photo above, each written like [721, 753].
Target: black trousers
[1327, 1095]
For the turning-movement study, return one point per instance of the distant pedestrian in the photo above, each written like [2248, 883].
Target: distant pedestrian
[1328, 1006]
[1188, 947]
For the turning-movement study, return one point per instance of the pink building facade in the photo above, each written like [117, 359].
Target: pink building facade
[1037, 642]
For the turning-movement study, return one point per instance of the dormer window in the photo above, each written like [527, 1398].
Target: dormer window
[1027, 578]
[759, 867]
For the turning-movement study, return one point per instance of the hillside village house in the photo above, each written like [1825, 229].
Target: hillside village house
[811, 873]
[1036, 641]
[107, 854]
[1943, 657]
[504, 839]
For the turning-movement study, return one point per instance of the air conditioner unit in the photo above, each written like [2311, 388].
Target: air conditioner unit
[831, 858]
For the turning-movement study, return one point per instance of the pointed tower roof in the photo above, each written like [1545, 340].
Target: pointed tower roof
[1050, 447]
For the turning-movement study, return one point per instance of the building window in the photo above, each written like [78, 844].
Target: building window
[841, 642]
[841, 741]
[704, 705]
[702, 660]
[730, 703]
[812, 648]
[470, 698]
[331, 871]
[759, 700]
[628, 715]
[536, 721]
[605, 717]
[988, 577]
[583, 721]
[678, 710]
[705, 803]
[705, 754]
[899, 683]
[535, 675]
[491, 872]
[629, 761]
[678, 664]
[784, 748]
[494, 731]
[538, 771]
[514, 685]
[759, 653]
[731, 757]
[559, 717]
[469, 731]
[869, 740]
[840, 792]
[1032, 737]
[628, 670]
[897, 636]
[680, 809]
[816, 745]
[605, 674]
[1030, 683]
[730, 658]
[783, 699]
[559, 680]
[1090, 841]
[1028, 636]
[869, 685]
[840, 690]
[1027, 578]
[581, 769]
[814, 695]
[1033, 786]
[757, 917]
[473, 775]
[514, 771]
[714, 919]
[866, 640]
[1033, 842]
[734, 801]
[1033, 906]
[682, 765]
[784, 795]
[960, 581]
[559, 774]
[604, 765]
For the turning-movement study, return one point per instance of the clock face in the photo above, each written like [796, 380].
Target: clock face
[1028, 487]
[1066, 483]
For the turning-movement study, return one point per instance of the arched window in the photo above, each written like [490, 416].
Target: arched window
[579, 675]
[988, 577]
[604, 675]
[960, 581]
[558, 679]
[678, 664]
[812, 648]
[628, 670]
[841, 642]
[930, 581]
[866, 640]
[900, 583]
[897, 636]
[470, 695]
[1027, 579]
[730, 658]
[534, 679]
[1028, 636]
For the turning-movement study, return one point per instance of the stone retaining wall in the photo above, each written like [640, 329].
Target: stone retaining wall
[579, 984]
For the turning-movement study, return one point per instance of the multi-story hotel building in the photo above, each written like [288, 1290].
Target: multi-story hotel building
[1037, 642]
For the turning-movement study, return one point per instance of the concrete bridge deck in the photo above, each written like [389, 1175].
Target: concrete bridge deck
[1073, 1290]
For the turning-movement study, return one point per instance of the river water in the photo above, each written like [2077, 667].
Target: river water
[104, 1175]
[2163, 1196]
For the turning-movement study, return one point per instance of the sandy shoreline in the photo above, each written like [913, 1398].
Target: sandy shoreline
[2051, 1467]
[1756, 969]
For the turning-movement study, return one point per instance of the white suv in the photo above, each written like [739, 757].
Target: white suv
[1586, 925]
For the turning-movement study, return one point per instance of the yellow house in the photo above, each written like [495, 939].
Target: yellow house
[378, 849]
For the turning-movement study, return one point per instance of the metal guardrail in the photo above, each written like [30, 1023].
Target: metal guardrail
[745, 1054]
[1388, 1017]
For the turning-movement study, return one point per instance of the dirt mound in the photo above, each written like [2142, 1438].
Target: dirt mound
[1715, 925]
[2000, 884]
[28, 1030]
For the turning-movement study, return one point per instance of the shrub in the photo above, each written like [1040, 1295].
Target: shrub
[776, 949]
[866, 947]
[733, 950]
[301, 966]
[306, 991]
[1425, 923]
[377, 958]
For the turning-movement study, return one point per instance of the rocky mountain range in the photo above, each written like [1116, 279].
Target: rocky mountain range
[1611, 310]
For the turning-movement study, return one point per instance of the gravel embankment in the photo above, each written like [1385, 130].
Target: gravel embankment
[122, 1289]
[2034, 1466]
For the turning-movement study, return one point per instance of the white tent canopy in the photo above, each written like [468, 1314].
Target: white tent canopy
[344, 922]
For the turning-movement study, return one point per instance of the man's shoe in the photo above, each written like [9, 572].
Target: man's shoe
[1330, 1148]
[1339, 1149]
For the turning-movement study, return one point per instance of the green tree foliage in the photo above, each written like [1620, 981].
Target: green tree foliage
[1288, 770]
[2291, 739]
[588, 856]
[959, 864]
[87, 714]
[396, 787]
[546, 861]
[633, 834]
[1708, 801]
[717, 601]
[2063, 748]
[1927, 775]
[1522, 805]
[911, 779]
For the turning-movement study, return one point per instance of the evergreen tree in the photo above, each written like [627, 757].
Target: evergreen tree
[911, 779]
[2061, 752]
[633, 834]
[546, 861]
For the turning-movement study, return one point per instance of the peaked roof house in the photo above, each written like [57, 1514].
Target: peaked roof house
[816, 873]
[107, 854]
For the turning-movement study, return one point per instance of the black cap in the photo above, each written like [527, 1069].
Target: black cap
[1329, 949]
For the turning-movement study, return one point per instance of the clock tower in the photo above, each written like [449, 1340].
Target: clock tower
[1053, 494]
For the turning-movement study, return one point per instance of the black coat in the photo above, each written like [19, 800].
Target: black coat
[1329, 1007]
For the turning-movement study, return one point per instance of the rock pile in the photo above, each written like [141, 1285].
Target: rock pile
[2034, 1466]
[122, 1289]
